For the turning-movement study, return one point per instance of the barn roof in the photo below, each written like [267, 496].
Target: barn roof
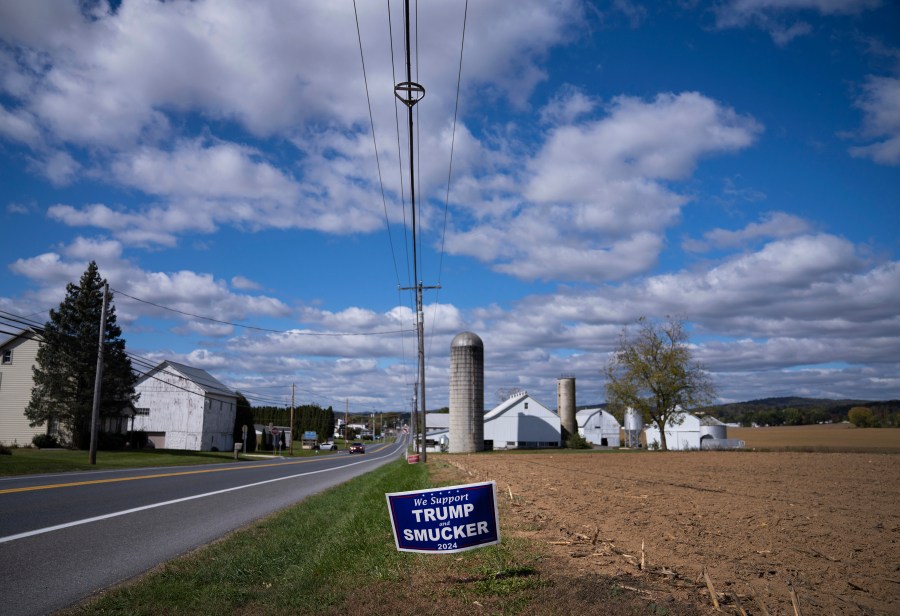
[203, 379]
[584, 415]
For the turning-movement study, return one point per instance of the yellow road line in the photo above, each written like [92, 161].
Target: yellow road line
[118, 479]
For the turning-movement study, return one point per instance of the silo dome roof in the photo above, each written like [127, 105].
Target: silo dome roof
[467, 339]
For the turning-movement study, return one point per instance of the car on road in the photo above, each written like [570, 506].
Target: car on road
[357, 448]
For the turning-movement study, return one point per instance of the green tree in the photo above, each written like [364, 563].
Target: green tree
[861, 417]
[653, 373]
[243, 416]
[63, 391]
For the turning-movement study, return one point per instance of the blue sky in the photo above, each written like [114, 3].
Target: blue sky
[735, 163]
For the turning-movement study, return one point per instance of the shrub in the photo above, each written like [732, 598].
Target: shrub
[576, 441]
[4, 450]
[862, 417]
[110, 441]
[44, 441]
[138, 439]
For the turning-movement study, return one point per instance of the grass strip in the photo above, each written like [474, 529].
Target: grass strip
[31, 461]
[305, 559]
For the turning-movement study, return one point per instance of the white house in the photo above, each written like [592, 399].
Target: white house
[18, 355]
[518, 422]
[181, 407]
[598, 427]
[679, 436]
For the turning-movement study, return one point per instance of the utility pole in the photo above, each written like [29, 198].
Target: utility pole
[98, 377]
[410, 93]
[346, 427]
[292, 419]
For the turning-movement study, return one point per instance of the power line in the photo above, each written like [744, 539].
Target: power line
[260, 329]
[399, 148]
[462, 47]
[375, 144]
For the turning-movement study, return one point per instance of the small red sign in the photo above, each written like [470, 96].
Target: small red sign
[412, 458]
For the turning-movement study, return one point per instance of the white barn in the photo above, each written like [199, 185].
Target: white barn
[521, 421]
[518, 422]
[679, 436]
[598, 427]
[437, 422]
[18, 355]
[181, 407]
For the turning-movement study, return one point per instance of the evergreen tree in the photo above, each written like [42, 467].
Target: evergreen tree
[244, 417]
[63, 391]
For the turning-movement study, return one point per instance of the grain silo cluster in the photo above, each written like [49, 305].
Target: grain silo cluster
[520, 421]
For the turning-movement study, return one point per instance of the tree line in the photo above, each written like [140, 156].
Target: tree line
[793, 411]
[307, 418]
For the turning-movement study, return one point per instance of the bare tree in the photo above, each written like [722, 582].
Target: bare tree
[653, 373]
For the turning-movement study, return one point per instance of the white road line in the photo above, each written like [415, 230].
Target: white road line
[50, 529]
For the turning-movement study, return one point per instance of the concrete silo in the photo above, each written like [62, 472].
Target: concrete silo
[466, 393]
[565, 406]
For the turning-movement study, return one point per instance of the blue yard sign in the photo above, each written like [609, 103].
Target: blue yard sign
[445, 520]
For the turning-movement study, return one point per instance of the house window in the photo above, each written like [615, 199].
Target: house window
[526, 406]
[142, 411]
[7, 357]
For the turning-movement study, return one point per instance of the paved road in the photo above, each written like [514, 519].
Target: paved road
[64, 537]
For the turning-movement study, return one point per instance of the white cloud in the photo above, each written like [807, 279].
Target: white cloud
[567, 106]
[196, 169]
[58, 167]
[244, 284]
[773, 225]
[18, 208]
[19, 126]
[186, 291]
[103, 82]
[776, 16]
[105, 79]
[880, 102]
[597, 197]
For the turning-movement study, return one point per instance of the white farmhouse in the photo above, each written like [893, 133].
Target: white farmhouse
[18, 355]
[181, 407]
[679, 436]
[598, 427]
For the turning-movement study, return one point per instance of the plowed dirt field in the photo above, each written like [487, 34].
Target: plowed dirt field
[825, 525]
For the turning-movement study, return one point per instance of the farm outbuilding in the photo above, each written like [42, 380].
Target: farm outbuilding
[714, 435]
[682, 433]
[598, 427]
[181, 407]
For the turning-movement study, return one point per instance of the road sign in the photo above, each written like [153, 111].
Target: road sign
[445, 520]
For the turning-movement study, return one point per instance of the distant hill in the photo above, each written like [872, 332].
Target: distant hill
[798, 411]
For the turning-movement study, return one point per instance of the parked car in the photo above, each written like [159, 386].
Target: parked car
[357, 448]
[327, 446]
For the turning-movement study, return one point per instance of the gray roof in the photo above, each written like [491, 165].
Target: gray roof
[198, 376]
[27, 332]
[467, 339]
